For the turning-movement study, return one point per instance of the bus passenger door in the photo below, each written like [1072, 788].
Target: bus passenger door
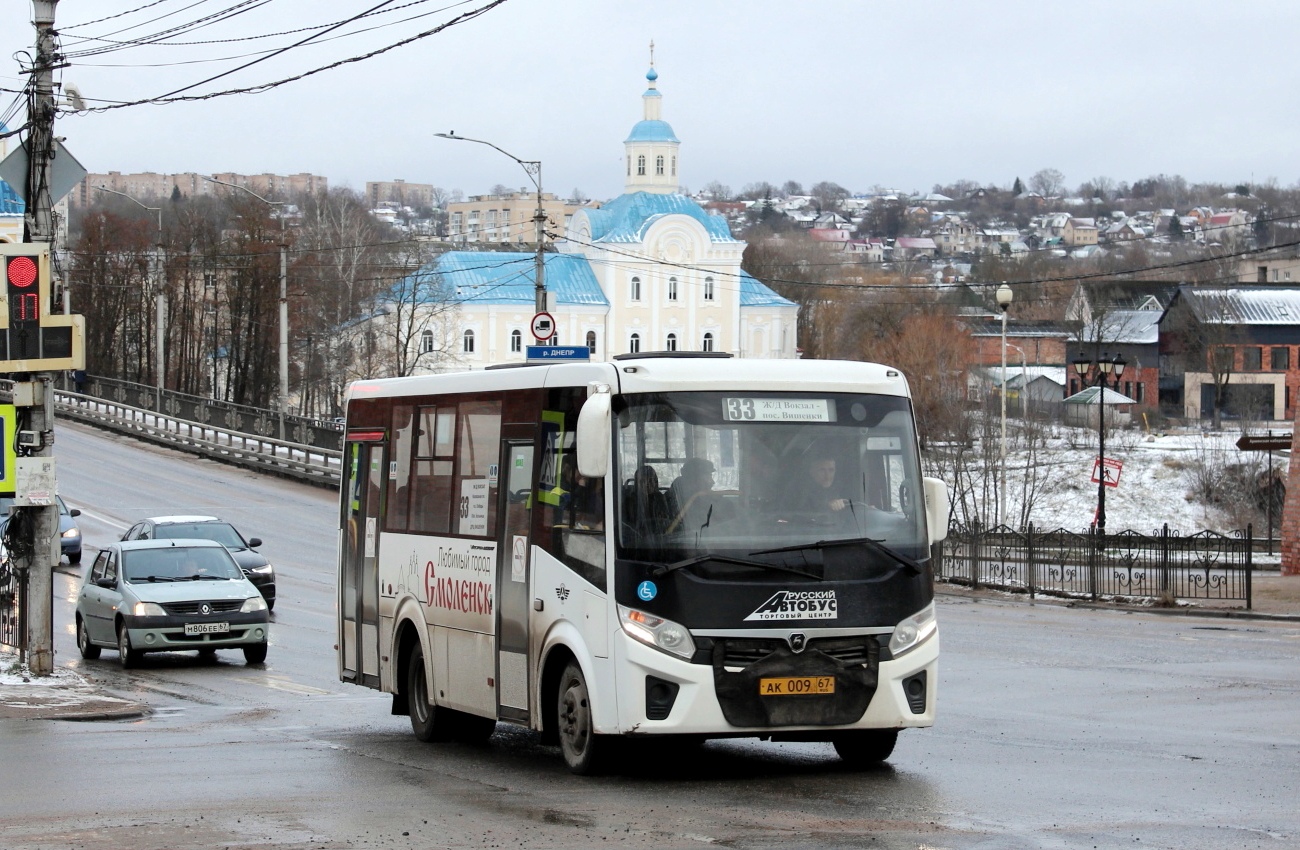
[512, 578]
[359, 571]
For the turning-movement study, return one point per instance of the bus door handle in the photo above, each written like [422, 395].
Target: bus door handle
[538, 604]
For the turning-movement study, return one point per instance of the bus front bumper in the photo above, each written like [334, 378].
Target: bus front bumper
[667, 695]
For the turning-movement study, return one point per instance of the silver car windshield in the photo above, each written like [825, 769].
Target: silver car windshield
[735, 474]
[179, 564]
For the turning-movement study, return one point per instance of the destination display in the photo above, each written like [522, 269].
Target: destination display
[778, 410]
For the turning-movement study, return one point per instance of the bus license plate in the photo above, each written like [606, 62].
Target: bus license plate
[207, 628]
[788, 686]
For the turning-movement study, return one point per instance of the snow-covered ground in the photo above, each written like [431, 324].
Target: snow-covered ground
[1156, 484]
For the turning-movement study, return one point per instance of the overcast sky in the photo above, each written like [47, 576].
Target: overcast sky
[860, 93]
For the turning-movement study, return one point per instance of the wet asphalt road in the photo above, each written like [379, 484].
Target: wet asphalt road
[1058, 728]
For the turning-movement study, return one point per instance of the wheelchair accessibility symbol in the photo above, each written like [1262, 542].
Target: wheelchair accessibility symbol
[646, 591]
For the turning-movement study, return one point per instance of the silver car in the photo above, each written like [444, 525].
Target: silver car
[169, 595]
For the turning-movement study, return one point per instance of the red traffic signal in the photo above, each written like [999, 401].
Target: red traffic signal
[22, 273]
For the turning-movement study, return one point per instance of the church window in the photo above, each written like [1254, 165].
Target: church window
[469, 342]
[634, 343]
[591, 342]
[659, 166]
[672, 289]
[708, 343]
[426, 341]
[674, 166]
[640, 166]
[635, 290]
[708, 289]
[629, 166]
[671, 343]
[516, 341]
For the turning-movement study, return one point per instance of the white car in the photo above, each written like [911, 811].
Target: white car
[169, 595]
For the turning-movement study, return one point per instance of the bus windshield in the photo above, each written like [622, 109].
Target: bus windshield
[752, 480]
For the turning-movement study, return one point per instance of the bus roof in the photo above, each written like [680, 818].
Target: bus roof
[630, 374]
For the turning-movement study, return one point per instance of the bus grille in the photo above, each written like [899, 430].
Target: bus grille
[741, 652]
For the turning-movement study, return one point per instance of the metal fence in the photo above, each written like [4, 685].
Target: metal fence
[13, 604]
[1164, 566]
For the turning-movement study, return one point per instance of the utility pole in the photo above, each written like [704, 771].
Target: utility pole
[43, 553]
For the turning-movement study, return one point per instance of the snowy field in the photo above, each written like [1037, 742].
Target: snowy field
[1156, 484]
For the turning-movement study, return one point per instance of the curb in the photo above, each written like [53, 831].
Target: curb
[1220, 613]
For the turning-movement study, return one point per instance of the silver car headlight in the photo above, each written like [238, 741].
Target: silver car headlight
[656, 631]
[253, 605]
[147, 609]
[72, 532]
[913, 631]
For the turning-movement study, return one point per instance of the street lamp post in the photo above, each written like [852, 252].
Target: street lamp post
[1102, 368]
[1004, 301]
[284, 297]
[160, 297]
[533, 168]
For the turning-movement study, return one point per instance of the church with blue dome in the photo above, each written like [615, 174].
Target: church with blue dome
[650, 270]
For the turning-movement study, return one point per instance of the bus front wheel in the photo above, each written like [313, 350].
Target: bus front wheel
[584, 750]
[865, 747]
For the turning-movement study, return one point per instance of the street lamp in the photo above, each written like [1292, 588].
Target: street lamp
[160, 296]
[533, 168]
[1102, 368]
[284, 297]
[1004, 301]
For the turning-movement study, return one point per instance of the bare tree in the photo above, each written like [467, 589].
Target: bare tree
[1047, 182]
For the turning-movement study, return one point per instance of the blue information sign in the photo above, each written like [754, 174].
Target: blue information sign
[558, 352]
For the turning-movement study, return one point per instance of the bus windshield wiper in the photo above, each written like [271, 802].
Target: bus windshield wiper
[870, 542]
[663, 569]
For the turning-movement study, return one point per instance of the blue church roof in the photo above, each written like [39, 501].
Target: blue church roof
[651, 130]
[10, 201]
[628, 217]
[506, 277]
[754, 293]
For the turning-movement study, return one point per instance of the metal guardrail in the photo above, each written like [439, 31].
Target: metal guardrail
[1161, 566]
[263, 453]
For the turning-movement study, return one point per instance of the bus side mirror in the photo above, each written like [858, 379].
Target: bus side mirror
[936, 508]
[594, 434]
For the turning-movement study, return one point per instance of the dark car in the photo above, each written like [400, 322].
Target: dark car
[169, 595]
[253, 563]
[69, 533]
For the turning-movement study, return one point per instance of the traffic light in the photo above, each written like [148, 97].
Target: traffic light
[33, 339]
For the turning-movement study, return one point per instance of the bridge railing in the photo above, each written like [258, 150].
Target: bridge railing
[231, 444]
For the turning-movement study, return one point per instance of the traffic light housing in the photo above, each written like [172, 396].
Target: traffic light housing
[32, 338]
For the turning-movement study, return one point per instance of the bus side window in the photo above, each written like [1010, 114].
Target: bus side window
[431, 499]
[399, 468]
[574, 523]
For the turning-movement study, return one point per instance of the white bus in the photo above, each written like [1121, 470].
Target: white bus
[668, 544]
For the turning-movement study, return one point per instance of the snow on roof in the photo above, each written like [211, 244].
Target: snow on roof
[1089, 396]
[1247, 305]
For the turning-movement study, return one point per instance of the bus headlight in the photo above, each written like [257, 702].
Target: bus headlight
[913, 631]
[656, 631]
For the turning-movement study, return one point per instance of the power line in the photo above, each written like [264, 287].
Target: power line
[261, 87]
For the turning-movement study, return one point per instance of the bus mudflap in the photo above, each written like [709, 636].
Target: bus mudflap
[785, 688]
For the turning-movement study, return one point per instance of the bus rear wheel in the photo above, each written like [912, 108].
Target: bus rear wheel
[428, 722]
[585, 752]
[865, 747]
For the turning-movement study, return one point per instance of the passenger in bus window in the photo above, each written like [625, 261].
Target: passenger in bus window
[588, 503]
[645, 507]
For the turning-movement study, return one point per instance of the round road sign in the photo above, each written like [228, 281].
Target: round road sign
[543, 327]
